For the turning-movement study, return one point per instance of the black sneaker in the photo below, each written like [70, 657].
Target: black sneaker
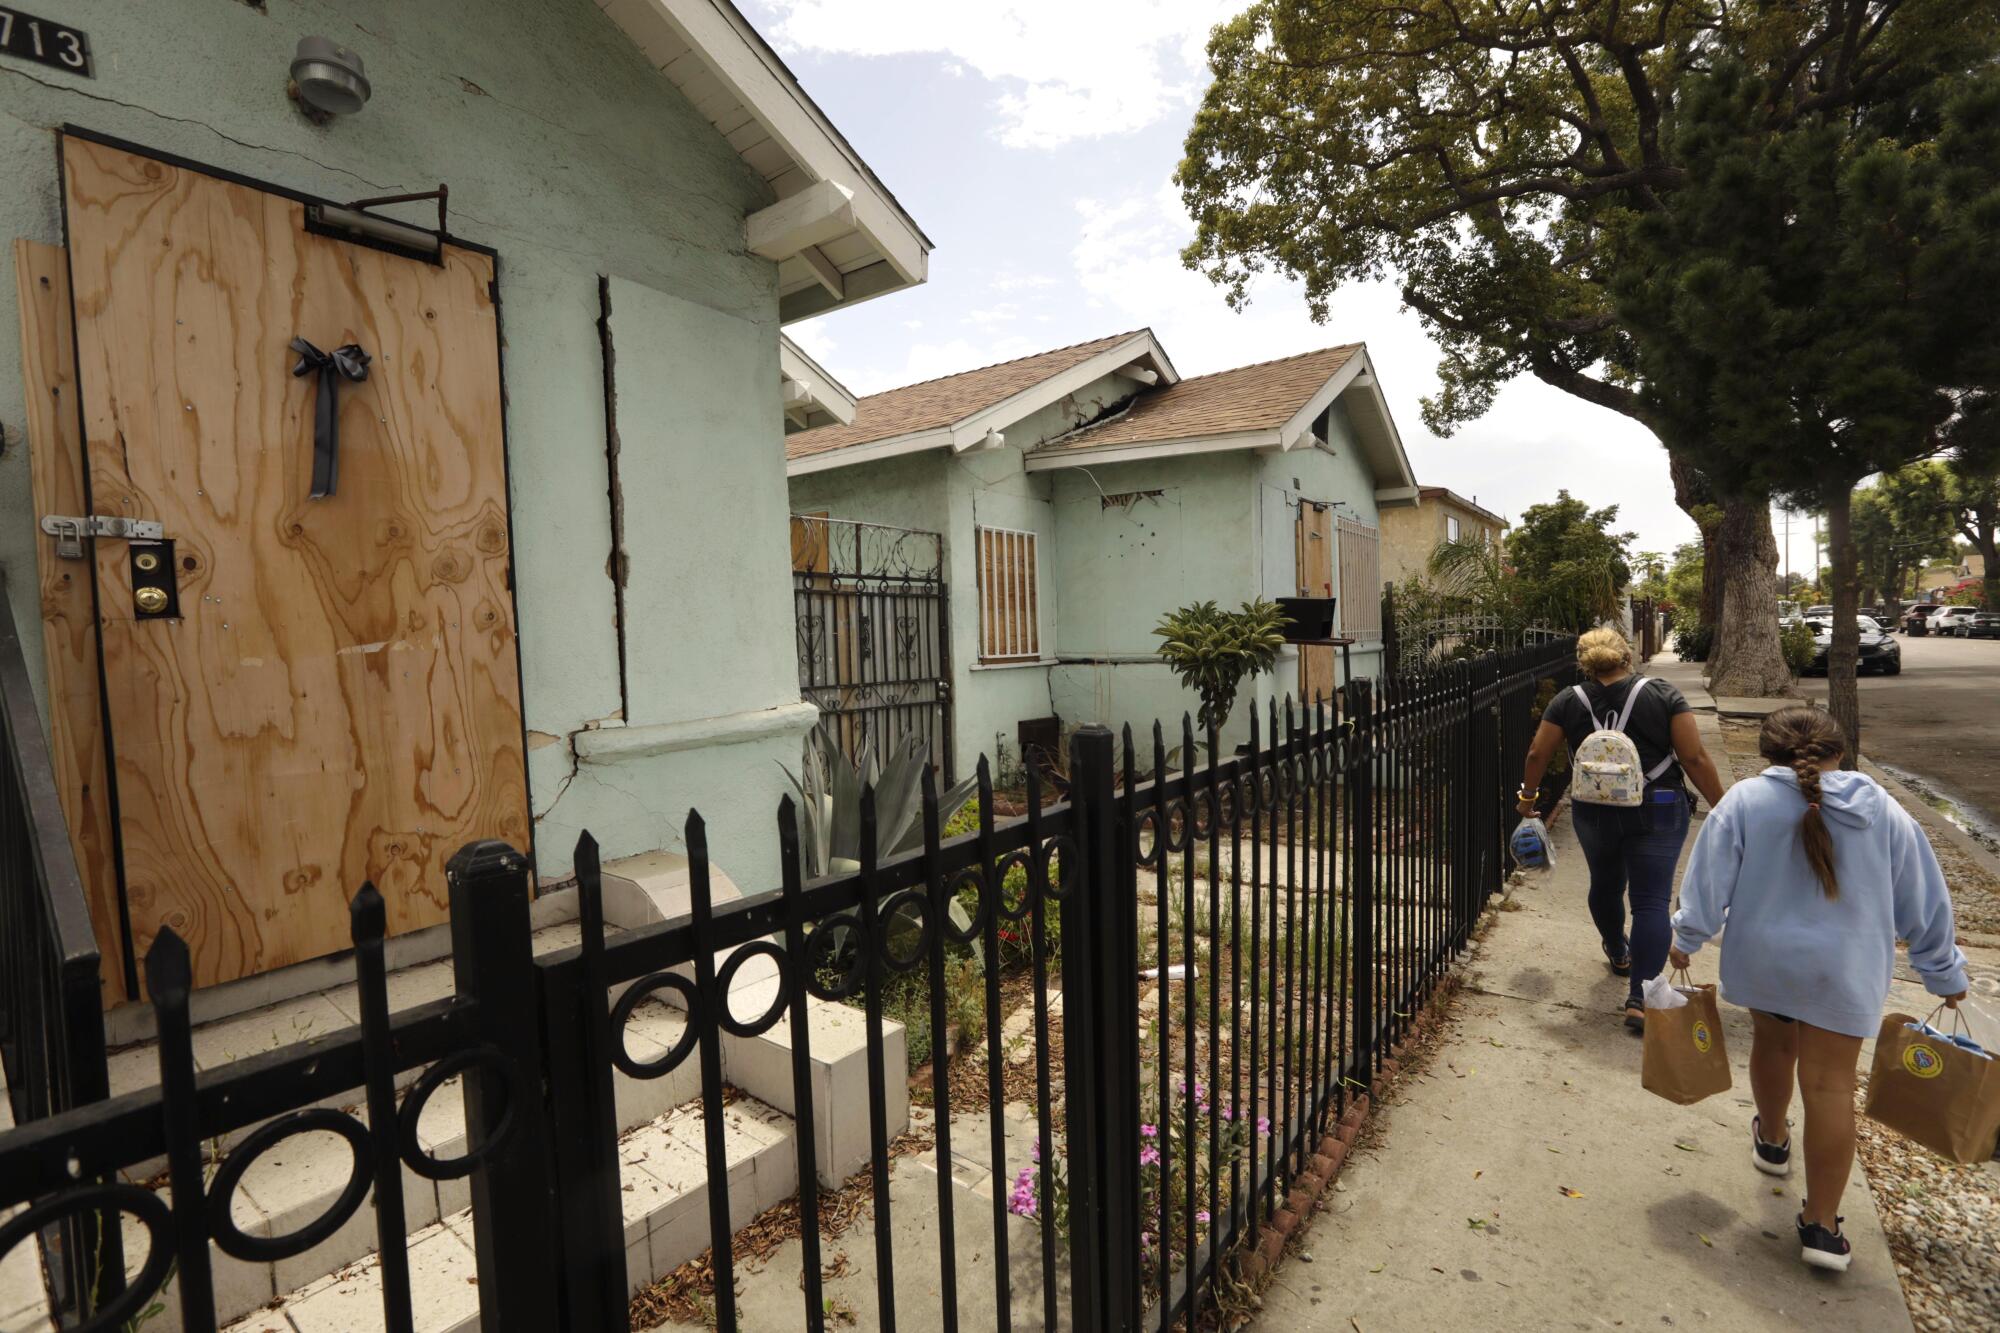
[1822, 1248]
[1773, 1159]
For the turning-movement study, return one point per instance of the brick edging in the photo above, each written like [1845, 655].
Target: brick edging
[1319, 1173]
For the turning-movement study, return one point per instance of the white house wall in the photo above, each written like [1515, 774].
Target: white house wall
[567, 152]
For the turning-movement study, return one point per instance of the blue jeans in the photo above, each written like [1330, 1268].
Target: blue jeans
[1633, 850]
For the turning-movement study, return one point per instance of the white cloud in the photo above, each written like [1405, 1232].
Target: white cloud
[929, 361]
[1535, 440]
[1067, 71]
[811, 337]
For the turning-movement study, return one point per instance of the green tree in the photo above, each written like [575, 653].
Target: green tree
[1900, 524]
[1816, 309]
[1972, 494]
[1490, 156]
[1564, 568]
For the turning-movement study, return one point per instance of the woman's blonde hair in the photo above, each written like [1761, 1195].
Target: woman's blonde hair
[1603, 651]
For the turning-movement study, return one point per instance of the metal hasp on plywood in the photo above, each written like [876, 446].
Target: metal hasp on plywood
[302, 694]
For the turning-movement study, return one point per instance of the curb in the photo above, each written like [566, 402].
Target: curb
[1319, 1173]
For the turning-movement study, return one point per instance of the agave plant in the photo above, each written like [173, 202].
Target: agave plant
[1212, 650]
[828, 790]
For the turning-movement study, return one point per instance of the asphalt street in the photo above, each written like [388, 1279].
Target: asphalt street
[1939, 721]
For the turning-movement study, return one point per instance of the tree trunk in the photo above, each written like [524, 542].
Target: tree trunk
[1892, 594]
[1742, 555]
[1984, 542]
[1843, 655]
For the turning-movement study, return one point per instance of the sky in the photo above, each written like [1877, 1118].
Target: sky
[1035, 141]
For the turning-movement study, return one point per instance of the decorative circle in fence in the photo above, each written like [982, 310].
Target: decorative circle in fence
[483, 1056]
[1177, 825]
[833, 950]
[621, 1014]
[906, 930]
[222, 1192]
[751, 1027]
[1052, 862]
[1015, 907]
[1146, 838]
[968, 878]
[107, 1198]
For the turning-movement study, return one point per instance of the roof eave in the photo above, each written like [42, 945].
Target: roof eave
[874, 451]
[1141, 450]
[712, 53]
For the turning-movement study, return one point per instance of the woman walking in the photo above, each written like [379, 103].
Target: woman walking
[1817, 874]
[1631, 850]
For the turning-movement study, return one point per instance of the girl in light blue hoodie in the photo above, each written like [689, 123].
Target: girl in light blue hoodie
[1817, 873]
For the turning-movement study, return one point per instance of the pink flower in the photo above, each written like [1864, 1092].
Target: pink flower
[1264, 1126]
[1149, 1156]
[1149, 1131]
[1201, 1214]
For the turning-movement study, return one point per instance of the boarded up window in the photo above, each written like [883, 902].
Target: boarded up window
[1009, 601]
[1360, 579]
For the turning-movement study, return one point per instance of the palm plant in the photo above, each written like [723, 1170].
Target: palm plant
[1212, 651]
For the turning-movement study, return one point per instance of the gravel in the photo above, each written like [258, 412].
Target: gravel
[1943, 1223]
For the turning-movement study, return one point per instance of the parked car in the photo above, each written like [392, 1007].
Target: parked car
[1985, 625]
[1819, 612]
[1952, 620]
[1917, 620]
[1879, 652]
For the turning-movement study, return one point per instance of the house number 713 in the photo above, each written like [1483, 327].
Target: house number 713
[29, 38]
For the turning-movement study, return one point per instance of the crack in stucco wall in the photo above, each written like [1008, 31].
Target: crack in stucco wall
[617, 565]
[75, 91]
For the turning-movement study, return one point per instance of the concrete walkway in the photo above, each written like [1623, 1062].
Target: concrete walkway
[1457, 1217]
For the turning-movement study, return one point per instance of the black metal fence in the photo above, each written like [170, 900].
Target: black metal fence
[51, 1006]
[874, 634]
[1299, 901]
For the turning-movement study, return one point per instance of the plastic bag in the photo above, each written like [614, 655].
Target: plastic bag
[1531, 846]
[1663, 994]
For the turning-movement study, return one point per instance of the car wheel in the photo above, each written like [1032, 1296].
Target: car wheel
[1894, 668]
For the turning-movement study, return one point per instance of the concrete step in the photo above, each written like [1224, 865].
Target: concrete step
[297, 1180]
[664, 1172]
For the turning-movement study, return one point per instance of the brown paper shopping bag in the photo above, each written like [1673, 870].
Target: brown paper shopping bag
[1685, 1059]
[1928, 1089]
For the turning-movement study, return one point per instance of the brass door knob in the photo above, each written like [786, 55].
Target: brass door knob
[146, 561]
[151, 600]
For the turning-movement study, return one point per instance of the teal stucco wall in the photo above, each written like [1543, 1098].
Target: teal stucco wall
[568, 153]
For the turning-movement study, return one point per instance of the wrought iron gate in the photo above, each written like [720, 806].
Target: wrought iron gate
[874, 634]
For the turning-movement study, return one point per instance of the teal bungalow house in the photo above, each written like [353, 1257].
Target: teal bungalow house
[1080, 494]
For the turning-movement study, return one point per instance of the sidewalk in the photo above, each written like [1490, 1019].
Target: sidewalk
[1456, 1216]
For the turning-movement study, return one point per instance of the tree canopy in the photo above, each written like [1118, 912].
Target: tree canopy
[1817, 307]
[1493, 157]
[1563, 568]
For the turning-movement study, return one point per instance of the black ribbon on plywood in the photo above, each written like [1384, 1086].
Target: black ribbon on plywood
[344, 362]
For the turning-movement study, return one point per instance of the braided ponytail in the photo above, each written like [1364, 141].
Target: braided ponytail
[1807, 740]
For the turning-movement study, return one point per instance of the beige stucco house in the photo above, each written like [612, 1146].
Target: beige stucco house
[1410, 534]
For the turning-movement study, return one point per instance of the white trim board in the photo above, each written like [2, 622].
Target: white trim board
[965, 434]
[742, 80]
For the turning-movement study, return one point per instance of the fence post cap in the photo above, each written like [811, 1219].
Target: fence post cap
[489, 856]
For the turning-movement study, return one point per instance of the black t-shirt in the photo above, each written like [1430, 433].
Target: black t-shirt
[1651, 727]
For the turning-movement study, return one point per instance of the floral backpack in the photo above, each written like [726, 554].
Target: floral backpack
[1605, 768]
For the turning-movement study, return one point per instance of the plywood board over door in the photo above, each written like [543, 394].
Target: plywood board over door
[339, 698]
[69, 630]
[1315, 575]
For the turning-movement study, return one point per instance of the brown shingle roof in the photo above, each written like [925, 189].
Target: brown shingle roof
[1258, 397]
[941, 402]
